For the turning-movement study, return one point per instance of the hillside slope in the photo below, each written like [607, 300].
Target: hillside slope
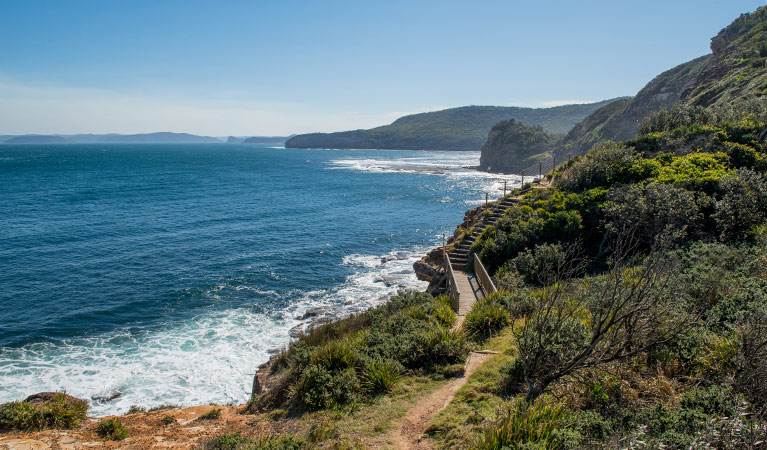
[736, 69]
[463, 128]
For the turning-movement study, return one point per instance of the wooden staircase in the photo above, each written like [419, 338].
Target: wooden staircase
[459, 255]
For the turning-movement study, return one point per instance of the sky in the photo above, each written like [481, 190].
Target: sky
[280, 67]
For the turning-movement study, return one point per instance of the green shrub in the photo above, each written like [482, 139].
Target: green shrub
[444, 313]
[485, 319]
[59, 411]
[319, 388]
[524, 426]
[742, 205]
[336, 355]
[380, 376]
[236, 441]
[539, 265]
[168, 420]
[654, 209]
[213, 414]
[112, 429]
[446, 347]
[162, 407]
[135, 409]
[605, 165]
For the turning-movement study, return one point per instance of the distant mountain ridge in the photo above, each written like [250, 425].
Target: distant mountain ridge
[463, 128]
[735, 70]
[144, 138]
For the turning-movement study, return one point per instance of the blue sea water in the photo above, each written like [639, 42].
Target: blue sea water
[168, 272]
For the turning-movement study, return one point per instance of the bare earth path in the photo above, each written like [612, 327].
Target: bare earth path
[409, 432]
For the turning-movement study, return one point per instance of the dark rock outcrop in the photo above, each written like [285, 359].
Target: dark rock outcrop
[511, 147]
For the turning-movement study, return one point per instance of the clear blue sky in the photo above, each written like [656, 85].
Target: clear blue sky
[278, 67]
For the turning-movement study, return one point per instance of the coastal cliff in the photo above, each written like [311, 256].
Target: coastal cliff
[735, 70]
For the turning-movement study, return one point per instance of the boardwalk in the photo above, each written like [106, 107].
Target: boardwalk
[470, 291]
[472, 285]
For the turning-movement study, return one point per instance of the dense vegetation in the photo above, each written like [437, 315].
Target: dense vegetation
[360, 357]
[56, 410]
[464, 128]
[637, 285]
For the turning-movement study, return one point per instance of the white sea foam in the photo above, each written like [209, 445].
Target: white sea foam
[458, 167]
[211, 358]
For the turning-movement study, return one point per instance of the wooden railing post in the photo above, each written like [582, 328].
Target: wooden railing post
[540, 170]
[523, 180]
[504, 188]
[485, 200]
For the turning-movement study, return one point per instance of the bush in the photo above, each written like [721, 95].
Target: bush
[336, 355]
[539, 265]
[112, 429]
[446, 347]
[654, 209]
[485, 319]
[380, 376]
[236, 441]
[168, 420]
[57, 411]
[680, 115]
[135, 409]
[213, 414]
[444, 313]
[605, 165]
[318, 388]
[742, 205]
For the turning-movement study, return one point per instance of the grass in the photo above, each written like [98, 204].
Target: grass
[237, 441]
[112, 429]
[524, 424]
[60, 411]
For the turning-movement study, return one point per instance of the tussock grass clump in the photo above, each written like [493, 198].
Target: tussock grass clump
[525, 425]
[380, 376]
[236, 441]
[112, 429]
[57, 411]
[486, 318]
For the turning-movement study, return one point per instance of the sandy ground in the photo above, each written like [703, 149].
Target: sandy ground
[147, 431]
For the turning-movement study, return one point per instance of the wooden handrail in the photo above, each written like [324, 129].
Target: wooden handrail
[454, 293]
[484, 278]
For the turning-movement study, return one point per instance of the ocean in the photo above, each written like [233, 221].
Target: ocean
[167, 273]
